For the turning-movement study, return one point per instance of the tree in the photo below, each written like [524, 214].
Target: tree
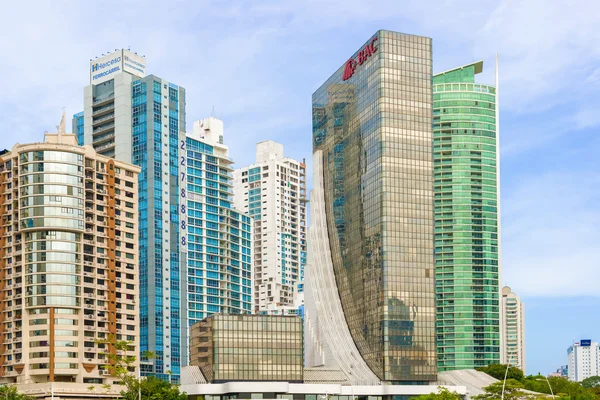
[498, 371]
[121, 365]
[561, 387]
[591, 382]
[153, 388]
[513, 390]
[442, 394]
[10, 392]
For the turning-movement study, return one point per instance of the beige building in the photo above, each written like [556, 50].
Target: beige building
[513, 329]
[68, 265]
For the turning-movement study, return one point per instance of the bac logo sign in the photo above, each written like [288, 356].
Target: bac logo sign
[352, 63]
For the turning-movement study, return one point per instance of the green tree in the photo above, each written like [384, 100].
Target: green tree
[561, 387]
[153, 388]
[121, 364]
[442, 394]
[513, 390]
[596, 391]
[498, 371]
[10, 392]
[592, 381]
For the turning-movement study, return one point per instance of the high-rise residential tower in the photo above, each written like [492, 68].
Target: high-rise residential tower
[68, 264]
[140, 119]
[219, 237]
[467, 223]
[513, 330]
[370, 277]
[273, 192]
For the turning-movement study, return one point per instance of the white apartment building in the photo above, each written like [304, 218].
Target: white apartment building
[584, 360]
[513, 330]
[273, 192]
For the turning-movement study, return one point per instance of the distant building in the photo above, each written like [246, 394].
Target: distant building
[248, 348]
[584, 360]
[563, 372]
[273, 192]
[78, 130]
[513, 330]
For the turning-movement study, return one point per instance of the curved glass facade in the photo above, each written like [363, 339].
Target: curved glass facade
[466, 220]
[372, 121]
[52, 229]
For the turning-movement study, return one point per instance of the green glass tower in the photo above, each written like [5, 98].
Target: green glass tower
[467, 230]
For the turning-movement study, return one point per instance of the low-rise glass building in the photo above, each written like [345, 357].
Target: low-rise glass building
[248, 348]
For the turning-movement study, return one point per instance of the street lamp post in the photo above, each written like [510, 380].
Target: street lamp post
[550, 386]
[505, 375]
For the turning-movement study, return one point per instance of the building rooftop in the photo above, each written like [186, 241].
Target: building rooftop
[477, 64]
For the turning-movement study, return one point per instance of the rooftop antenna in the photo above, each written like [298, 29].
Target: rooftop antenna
[212, 114]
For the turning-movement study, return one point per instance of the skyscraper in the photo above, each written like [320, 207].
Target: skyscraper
[141, 119]
[68, 263]
[219, 237]
[513, 329]
[467, 226]
[371, 269]
[273, 192]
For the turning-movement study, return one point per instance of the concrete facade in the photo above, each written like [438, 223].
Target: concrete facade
[273, 192]
[513, 330]
[69, 258]
[584, 360]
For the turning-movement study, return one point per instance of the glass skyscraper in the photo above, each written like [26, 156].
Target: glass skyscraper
[371, 257]
[78, 127]
[218, 237]
[466, 219]
[140, 119]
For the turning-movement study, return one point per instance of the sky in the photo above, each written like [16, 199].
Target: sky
[254, 64]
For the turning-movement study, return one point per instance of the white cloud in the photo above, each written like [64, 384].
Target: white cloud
[258, 62]
[551, 234]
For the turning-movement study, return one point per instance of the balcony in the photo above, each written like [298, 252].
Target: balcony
[105, 146]
[103, 110]
[102, 129]
[102, 119]
[102, 99]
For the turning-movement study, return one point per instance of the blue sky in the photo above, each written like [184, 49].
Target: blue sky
[258, 62]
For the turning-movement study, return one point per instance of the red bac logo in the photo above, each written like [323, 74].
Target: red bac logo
[362, 56]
